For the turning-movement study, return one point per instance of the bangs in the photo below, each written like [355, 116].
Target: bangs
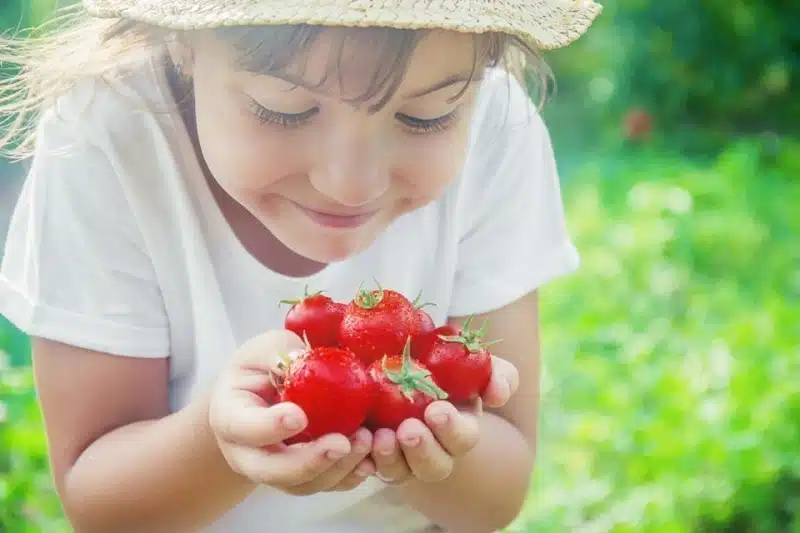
[379, 57]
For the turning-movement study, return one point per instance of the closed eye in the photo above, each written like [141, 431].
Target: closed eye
[413, 124]
[419, 125]
[286, 120]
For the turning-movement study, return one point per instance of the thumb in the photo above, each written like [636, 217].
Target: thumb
[502, 385]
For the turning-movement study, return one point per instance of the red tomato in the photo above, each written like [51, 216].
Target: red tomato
[333, 388]
[377, 323]
[315, 317]
[425, 323]
[459, 360]
[404, 389]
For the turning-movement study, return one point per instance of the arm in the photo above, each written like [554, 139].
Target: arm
[120, 462]
[488, 486]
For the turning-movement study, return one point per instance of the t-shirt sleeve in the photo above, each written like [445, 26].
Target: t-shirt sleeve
[75, 267]
[513, 236]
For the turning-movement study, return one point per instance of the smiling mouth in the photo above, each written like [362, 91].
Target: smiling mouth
[333, 220]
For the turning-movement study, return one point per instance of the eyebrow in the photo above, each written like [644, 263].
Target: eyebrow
[462, 77]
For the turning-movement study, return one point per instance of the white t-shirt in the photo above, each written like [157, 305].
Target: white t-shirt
[117, 245]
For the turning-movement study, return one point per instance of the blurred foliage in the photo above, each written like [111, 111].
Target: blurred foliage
[704, 69]
[28, 502]
[669, 397]
[20, 15]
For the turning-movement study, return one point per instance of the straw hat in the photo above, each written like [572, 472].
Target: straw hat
[546, 24]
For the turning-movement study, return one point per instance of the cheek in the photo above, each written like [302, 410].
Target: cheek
[241, 153]
[431, 162]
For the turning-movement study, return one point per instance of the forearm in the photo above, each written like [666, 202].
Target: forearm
[157, 476]
[487, 488]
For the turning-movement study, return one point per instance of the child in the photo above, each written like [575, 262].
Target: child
[197, 161]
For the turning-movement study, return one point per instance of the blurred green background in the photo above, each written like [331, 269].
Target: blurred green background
[671, 401]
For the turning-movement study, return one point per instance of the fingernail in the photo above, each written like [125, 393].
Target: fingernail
[291, 423]
[411, 442]
[334, 455]
[360, 447]
[386, 451]
[440, 419]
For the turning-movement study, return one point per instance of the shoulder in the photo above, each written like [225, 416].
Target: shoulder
[509, 152]
[111, 112]
[508, 138]
[507, 207]
[106, 126]
[504, 111]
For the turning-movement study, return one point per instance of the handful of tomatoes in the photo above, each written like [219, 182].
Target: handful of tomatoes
[375, 361]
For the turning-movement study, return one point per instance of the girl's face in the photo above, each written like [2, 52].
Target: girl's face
[323, 175]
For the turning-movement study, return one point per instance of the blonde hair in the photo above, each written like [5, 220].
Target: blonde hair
[71, 46]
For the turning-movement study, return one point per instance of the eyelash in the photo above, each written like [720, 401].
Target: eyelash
[285, 120]
[416, 126]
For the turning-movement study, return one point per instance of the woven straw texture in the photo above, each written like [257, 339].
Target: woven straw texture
[546, 23]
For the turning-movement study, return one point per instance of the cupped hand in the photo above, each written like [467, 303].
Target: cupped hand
[502, 385]
[428, 450]
[250, 433]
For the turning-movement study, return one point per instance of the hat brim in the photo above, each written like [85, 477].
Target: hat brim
[546, 24]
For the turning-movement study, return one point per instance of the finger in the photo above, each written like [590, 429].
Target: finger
[360, 446]
[476, 407]
[390, 463]
[249, 380]
[257, 360]
[427, 459]
[502, 385]
[457, 432]
[242, 421]
[263, 352]
[291, 466]
[355, 478]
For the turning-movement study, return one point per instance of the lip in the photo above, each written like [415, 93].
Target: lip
[332, 220]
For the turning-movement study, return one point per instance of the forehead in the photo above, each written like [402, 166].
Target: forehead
[351, 62]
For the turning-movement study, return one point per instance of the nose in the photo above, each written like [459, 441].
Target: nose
[353, 169]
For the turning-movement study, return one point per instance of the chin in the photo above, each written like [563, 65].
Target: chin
[326, 246]
[330, 250]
